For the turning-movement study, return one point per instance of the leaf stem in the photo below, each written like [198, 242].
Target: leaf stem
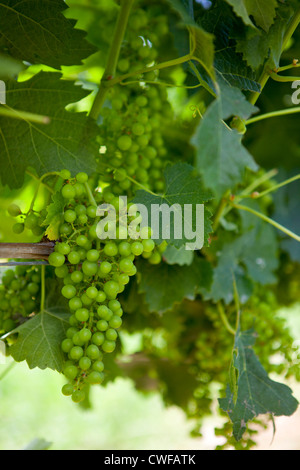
[280, 185]
[288, 34]
[43, 287]
[23, 115]
[282, 112]
[40, 180]
[90, 195]
[153, 68]
[267, 219]
[225, 319]
[113, 57]
[220, 210]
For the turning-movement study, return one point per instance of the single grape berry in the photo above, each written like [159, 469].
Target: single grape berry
[56, 259]
[14, 210]
[68, 192]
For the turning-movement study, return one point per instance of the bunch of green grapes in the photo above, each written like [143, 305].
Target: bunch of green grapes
[133, 149]
[31, 220]
[94, 270]
[19, 296]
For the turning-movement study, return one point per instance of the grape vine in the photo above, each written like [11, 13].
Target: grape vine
[159, 102]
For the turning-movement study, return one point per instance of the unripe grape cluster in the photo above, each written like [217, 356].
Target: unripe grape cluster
[19, 296]
[132, 142]
[94, 272]
[31, 220]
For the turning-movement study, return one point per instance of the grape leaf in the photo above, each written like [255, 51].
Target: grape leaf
[234, 102]
[201, 43]
[260, 47]
[262, 11]
[221, 22]
[253, 393]
[184, 8]
[184, 190]
[69, 141]
[55, 212]
[165, 285]
[40, 338]
[251, 258]
[221, 158]
[47, 37]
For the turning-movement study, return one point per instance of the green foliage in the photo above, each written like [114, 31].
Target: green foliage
[252, 392]
[39, 340]
[68, 140]
[168, 125]
[231, 159]
[52, 36]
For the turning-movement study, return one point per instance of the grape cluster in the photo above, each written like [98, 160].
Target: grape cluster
[94, 272]
[132, 143]
[19, 296]
[31, 220]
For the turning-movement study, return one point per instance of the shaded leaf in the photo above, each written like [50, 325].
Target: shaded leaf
[166, 285]
[47, 37]
[39, 340]
[254, 392]
[221, 158]
[262, 11]
[69, 141]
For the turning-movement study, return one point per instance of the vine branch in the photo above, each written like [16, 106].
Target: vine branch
[113, 56]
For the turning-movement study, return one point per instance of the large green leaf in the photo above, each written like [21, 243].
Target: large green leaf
[36, 31]
[39, 340]
[221, 158]
[69, 141]
[249, 259]
[183, 189]
[251, 391]
[262, 11]
[220, 21]
[261, 47]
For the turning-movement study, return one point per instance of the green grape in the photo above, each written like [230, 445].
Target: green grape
[68, 291]
[98, 339]
[14, 210]
[67, 345]
[18, 228]
[70, 216]
[85, 335]
[76, 353]
[85, 363]
[89, 268]
[67, 390]
[92, 292]
[68, 192]
[82, 315]
[108, 346]
[56, 259]
[95, 378]
[82, 177]
[124, 142]
[111, 249]
[71, 372]
[78, 396]
[111, 289]
[93, 352]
